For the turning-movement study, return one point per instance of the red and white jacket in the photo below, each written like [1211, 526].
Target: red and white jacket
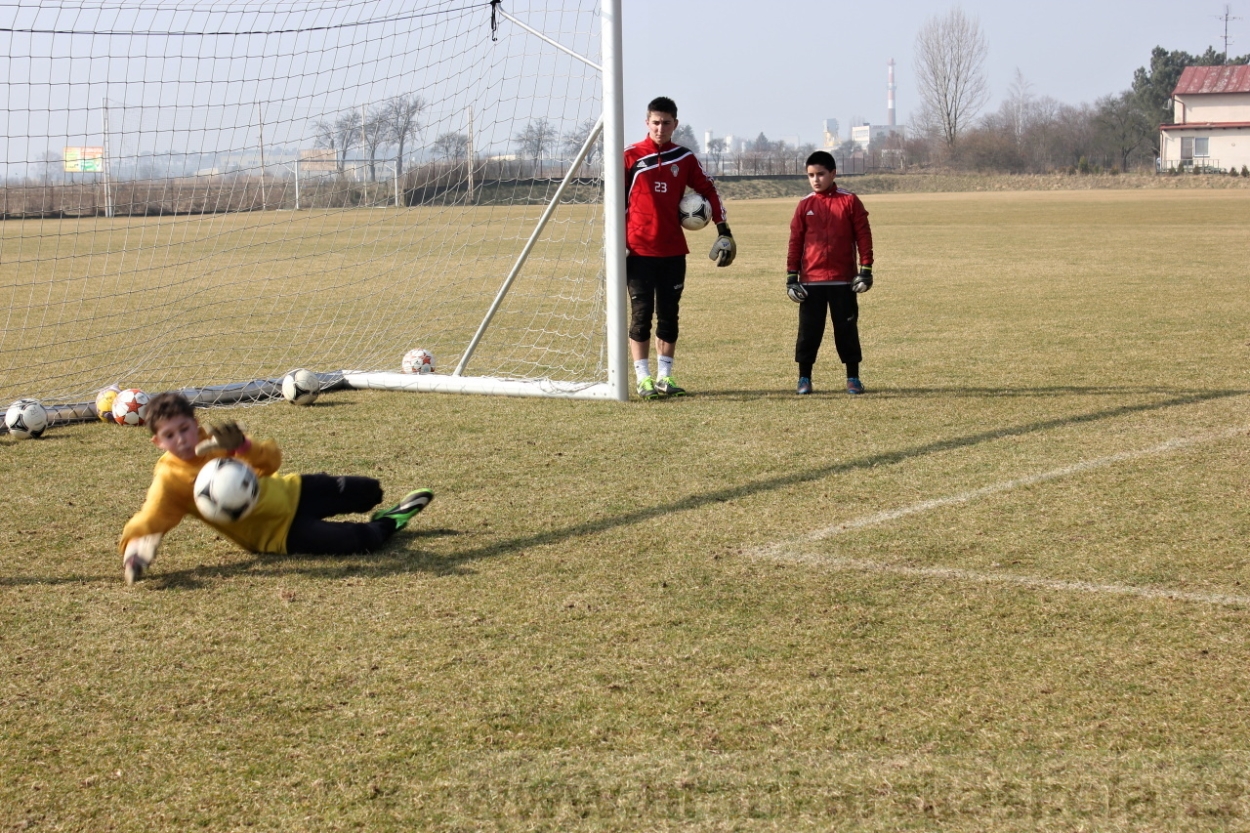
[655, 181]
[825, 233]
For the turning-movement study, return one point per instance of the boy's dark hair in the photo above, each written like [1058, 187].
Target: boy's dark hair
[168, 405]
[663, 104]
[825, 159]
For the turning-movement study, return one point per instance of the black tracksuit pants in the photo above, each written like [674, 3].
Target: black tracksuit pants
[322, 496]
[841, 305]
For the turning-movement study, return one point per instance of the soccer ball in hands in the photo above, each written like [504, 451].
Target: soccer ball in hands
[104, 402]
[26, 419]
[695, 211]
[301, 387]
[226, 490]
[131, 407]
[418, 361]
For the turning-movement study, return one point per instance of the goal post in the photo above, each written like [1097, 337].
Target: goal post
[203, 197]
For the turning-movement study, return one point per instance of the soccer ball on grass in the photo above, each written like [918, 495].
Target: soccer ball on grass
[226, 490]
[301, 387]
[131, 407]
[418, 361]
[695, 211]
[26, 419]
[104, 402]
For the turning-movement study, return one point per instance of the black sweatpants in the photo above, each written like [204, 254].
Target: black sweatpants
[655, 285]
[322, 496]
[843, 309]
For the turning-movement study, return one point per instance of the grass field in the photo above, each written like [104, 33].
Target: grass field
[1008, 589]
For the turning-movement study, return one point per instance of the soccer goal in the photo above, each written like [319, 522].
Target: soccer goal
[205, 194]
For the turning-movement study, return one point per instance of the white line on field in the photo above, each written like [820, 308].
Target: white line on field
[793, 549]
[951, 574]
[996, 488]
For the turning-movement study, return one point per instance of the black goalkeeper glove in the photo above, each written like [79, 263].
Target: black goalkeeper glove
[863, 281]
[796, 290]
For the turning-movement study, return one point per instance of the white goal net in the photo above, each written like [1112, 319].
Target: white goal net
[209, 193]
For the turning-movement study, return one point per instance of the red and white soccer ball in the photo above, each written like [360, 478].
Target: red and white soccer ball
[131, 407]
[418, 361]
[26, 419]
[694, 211]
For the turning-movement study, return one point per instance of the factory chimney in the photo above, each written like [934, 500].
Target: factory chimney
[889, 102]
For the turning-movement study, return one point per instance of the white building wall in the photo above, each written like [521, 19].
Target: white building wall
[1226, 147]
[1211, 107]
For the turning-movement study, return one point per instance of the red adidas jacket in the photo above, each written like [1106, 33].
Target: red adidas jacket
[826, 231]
[655, 180]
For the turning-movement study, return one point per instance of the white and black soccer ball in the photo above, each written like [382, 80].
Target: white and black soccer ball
[418, 361]
[130, 407]
[301, 387]
[26, 419]
[695, 211]
[226, 490]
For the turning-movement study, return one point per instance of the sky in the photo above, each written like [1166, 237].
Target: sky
[781, 67]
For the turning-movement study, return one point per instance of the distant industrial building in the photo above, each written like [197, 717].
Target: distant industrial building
[865, 134]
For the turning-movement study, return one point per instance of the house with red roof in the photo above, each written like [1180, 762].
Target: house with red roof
[1210, 120]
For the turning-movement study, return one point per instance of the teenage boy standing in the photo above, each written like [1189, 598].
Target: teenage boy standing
[657, 173]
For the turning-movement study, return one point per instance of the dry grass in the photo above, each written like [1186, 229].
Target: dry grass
[588, 629]
[938, 182]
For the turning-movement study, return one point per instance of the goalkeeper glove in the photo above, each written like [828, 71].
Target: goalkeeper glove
[796, 290]
[724, 250]
[227, 437]
[863, 281]
[140, 553]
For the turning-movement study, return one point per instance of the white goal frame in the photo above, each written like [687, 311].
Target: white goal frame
[611, 128]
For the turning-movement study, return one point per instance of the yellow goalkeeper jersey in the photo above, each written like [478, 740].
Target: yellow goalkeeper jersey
[171, 497]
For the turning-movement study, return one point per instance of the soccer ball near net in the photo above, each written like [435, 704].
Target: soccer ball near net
[695, 211]
[301, 387]
[418, 361]
[131, 407]
[104, 402]
[226, 490]
[26, 419]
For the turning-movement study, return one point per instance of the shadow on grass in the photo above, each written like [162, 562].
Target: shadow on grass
[400, 557]
[770, 484]
[835, 388]
[396, 558]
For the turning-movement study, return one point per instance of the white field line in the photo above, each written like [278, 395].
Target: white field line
[956, 575]
[794, 549]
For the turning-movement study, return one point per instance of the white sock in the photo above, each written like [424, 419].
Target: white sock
[665, 366]
[642, 369]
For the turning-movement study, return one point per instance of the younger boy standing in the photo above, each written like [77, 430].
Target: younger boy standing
[829, 237]
[289, 516]
[657, 173]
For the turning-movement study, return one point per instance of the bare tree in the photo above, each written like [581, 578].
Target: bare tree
[451, 145]
[950, 72]
[716, 154]
[1122, 125]
[575, 138]
[375, 131]
[535, 141]
[52, 164]
[339, 135]
[402, 118]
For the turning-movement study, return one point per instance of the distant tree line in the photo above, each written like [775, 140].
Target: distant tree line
[1031, 133]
